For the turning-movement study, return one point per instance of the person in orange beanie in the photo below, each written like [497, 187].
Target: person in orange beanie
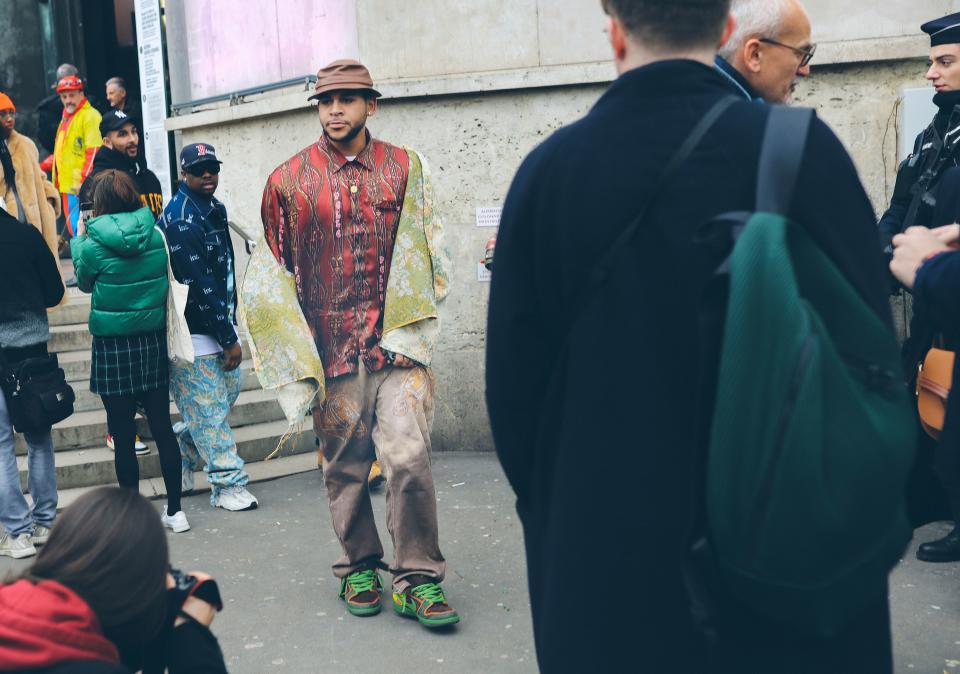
[24, 189]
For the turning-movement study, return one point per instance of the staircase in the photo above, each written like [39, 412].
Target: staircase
[82, 458]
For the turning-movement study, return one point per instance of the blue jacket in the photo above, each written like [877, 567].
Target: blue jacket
[736, 81]
[201, 255]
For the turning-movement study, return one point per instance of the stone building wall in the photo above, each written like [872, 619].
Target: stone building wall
[474, 144]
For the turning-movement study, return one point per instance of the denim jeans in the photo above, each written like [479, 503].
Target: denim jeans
[15, 516]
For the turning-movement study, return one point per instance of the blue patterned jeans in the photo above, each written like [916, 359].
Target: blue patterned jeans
[204, 394]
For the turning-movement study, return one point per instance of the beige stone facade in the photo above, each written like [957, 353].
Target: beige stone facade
[476, 85]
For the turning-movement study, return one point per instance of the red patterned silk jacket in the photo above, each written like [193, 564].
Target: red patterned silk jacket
[332, 223]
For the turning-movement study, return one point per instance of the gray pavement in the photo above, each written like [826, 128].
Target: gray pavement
[282, 614]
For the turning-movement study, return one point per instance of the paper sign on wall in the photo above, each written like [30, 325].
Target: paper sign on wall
[488, 216]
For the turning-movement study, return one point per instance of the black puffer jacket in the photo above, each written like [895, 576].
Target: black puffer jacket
[148, 185]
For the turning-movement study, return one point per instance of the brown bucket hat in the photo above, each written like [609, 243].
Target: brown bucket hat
[341, 75]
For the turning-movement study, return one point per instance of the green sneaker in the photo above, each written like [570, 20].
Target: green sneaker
[361, 591]
[427, 604]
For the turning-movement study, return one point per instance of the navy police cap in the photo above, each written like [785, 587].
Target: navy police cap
[197, 153]
[943, 31]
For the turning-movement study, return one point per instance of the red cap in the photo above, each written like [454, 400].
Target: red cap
[70, 83]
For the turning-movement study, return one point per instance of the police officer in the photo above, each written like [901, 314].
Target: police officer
[938, 147]
[922, 197]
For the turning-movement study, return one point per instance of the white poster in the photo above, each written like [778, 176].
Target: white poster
[488, 216]
[153, 93]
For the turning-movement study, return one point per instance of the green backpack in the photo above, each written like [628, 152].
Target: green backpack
[813, 435]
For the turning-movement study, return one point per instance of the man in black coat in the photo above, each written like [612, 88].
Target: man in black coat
[607, 564]
[120, 149]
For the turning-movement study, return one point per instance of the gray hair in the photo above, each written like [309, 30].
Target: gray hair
[755, 18]
[119, 81]
[67, 69]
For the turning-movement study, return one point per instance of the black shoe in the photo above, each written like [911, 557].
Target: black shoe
[947, 549]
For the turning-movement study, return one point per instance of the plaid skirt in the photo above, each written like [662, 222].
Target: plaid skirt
[129, 364]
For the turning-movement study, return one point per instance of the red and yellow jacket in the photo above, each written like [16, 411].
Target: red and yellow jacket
[77, 141]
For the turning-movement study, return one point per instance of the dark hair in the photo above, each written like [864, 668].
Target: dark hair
[114, 192]
[671, 23]
[110, 548]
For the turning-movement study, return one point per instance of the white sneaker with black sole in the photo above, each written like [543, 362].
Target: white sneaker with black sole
[236, 499]
[177, 522]
[17, 547]
[40, 534]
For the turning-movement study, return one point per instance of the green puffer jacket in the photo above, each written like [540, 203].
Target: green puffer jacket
[123, 262]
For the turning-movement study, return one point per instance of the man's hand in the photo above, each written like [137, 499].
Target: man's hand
[948, 234]
[197, 609]
[232, 355]
[403, 361]
[915, 246]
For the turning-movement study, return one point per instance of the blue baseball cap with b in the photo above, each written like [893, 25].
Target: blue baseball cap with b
[197, 153]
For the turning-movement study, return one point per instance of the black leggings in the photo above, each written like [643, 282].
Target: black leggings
[121, 413]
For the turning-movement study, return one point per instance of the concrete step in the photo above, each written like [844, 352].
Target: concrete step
[87, 401]
[75, 312]
[261, 471]
[69, 338]
[89, 429]
[76, 363]
[94, 466]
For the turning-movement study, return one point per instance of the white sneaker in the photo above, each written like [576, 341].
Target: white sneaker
[177, 522]
[139, 448]
[18, 547]
[40, 534]
[236, 499]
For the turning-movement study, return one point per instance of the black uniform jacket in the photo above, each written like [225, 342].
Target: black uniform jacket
[600, 435]
[151, 194]
[935, 151]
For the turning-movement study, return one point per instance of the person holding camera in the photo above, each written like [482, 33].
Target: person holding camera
[121, 258]
[101, 598]
[30, 278]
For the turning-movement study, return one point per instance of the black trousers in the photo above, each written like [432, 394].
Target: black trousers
[121, 419]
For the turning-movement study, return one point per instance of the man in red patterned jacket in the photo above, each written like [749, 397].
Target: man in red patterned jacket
[330, 215]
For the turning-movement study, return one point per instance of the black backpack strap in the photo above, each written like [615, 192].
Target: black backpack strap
[784, 142]
[602, 269]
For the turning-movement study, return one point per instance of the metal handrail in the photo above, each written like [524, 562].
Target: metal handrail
[236, 97]
[248, 243]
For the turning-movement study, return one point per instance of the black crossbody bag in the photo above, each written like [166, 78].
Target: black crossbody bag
[36, 391]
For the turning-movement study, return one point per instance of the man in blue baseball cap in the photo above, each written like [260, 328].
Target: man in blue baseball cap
[201, 255]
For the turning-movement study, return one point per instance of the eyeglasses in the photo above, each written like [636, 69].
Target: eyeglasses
[198, 171]
[806, 55]
[7, 113]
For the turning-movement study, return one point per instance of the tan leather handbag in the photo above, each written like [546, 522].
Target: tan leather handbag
[934, 377]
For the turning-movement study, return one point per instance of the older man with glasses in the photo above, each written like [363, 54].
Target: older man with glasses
[769, 50]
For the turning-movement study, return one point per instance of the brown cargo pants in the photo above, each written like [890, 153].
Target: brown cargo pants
[395, 407]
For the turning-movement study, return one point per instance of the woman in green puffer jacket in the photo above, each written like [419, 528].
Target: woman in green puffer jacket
[121, 258]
